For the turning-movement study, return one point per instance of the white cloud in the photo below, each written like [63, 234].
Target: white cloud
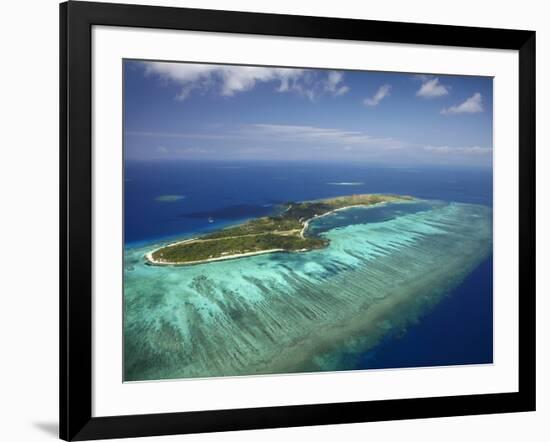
[334, 83]
[303, 142]
[204, 136]
[313, 84]
[320, 135]
[382, 92]
[474, 150]
[198, 149]
[431, 87]
[423, 77]
[471, 105]
[229, 80]
[195, 150]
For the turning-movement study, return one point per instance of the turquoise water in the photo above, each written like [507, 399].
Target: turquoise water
[300, 312]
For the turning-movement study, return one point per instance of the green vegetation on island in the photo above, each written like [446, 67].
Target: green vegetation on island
[284, 232]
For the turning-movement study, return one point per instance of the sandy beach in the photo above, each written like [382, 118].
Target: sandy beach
[151, 260]
[149, 257]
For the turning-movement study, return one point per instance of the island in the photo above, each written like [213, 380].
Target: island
[283, 232]
[169, 198]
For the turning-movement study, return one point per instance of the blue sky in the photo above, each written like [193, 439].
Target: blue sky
[177, 111]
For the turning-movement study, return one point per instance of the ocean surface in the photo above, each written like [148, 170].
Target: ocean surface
[411, 281]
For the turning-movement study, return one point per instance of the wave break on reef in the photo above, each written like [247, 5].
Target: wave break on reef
[314, 311]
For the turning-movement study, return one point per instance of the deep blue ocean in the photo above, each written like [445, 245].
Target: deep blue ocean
[165, 200]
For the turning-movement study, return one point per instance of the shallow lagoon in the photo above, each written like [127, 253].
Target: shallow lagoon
[296, 312]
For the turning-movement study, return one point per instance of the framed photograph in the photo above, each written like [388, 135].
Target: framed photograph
[272, 221]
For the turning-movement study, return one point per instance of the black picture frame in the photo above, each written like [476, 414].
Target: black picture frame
[76, 21]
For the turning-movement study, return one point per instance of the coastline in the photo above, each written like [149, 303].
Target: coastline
[306, 222]
[151, 261]
[367, 298]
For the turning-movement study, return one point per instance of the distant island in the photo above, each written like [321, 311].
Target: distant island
[285, 232]
[169, 198]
